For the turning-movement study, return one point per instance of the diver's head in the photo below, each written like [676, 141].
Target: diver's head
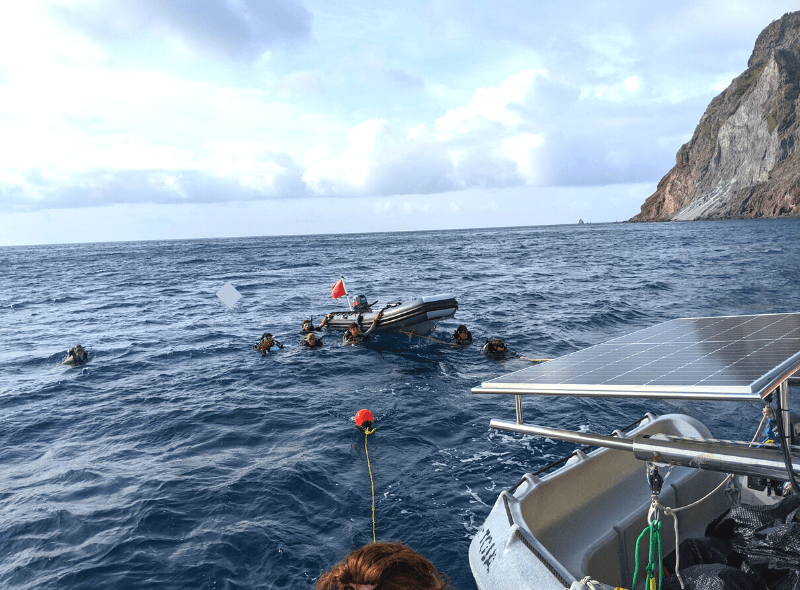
[307, 325]
[354, 329]
[267, 337]
[311, 339]
[462, 329]
[498, 345]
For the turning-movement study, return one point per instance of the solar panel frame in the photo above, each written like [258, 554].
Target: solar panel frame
[726, 357]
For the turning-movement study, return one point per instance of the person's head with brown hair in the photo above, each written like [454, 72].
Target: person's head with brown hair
[382, 566]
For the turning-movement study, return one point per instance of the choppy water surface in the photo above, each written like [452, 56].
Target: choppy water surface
[178, 457]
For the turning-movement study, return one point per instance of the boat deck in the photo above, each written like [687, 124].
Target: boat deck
[585, 518]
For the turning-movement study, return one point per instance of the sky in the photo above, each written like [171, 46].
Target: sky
[171, 119]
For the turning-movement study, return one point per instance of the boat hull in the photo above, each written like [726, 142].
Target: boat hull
[419, 316]
[583, 519]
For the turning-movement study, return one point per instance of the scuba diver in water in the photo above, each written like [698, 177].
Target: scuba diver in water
[462, 336]
[308, 325]
[495, 348]
[77, 355]
[354, 334]
[311, 341]
[267, 344]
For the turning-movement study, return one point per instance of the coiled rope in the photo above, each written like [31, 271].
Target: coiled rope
[654, 528]
[367, 432]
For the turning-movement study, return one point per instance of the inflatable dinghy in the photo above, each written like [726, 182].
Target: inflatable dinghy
[418, 317]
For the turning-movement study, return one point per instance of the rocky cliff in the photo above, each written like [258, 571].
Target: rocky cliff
[742, 160]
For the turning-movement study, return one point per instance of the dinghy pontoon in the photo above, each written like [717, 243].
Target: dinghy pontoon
[419, 317]
[581, 523]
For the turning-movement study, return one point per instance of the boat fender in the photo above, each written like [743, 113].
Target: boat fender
[364, 419]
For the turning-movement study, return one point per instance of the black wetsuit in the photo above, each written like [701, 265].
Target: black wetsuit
[78, 354]
[265, 350]
[495, 348]
[466, 339]
[361, 337]
[357, 339]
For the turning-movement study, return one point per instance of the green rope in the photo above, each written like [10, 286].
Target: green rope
[654, 528]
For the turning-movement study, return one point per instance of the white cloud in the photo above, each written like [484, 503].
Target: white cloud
[631, 84]
[232, 29]
[349, 172]
[364, 143]
[480, 144]
[522, 150]
[221, 100]
[489, 105]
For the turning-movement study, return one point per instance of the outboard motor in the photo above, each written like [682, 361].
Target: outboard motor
[360, 303]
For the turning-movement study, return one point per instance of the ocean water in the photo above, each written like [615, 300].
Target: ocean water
[179, 457]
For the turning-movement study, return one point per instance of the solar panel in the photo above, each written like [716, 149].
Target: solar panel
[731, 358]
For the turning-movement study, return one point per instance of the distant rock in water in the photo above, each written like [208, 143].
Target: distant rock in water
[580, 222]
[742, 160]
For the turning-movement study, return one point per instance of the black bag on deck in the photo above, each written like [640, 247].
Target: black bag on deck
[747, 547]
[714, 577]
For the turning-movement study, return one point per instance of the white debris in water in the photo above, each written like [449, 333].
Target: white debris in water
[229, 295]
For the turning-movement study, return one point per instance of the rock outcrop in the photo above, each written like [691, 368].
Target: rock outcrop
[742, 161]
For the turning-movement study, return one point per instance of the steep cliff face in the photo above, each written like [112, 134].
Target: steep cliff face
[742, 160]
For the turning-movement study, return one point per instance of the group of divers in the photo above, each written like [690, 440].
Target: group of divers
[493, 347]
[426, 576]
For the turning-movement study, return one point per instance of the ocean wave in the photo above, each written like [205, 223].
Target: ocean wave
[180, 457]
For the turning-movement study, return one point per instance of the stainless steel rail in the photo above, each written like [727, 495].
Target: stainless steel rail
[584, 438]
[711, 455]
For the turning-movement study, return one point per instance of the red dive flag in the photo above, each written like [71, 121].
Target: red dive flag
[338, 289]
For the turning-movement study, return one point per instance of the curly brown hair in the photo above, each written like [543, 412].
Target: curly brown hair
[386, 566]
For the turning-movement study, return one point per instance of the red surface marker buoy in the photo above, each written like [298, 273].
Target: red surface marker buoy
[364, 419]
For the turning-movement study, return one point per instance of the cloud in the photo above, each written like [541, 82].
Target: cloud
[231, 28]
[529, 130]
[302, 83]
[378, 161]
[191, 102]
[501, 106]
[229, 173]
[403, 80]
[586, 43]
[484, 143]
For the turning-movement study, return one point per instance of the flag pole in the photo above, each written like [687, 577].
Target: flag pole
[350, 305]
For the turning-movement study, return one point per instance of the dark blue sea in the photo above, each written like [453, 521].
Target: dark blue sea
[179, 457]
